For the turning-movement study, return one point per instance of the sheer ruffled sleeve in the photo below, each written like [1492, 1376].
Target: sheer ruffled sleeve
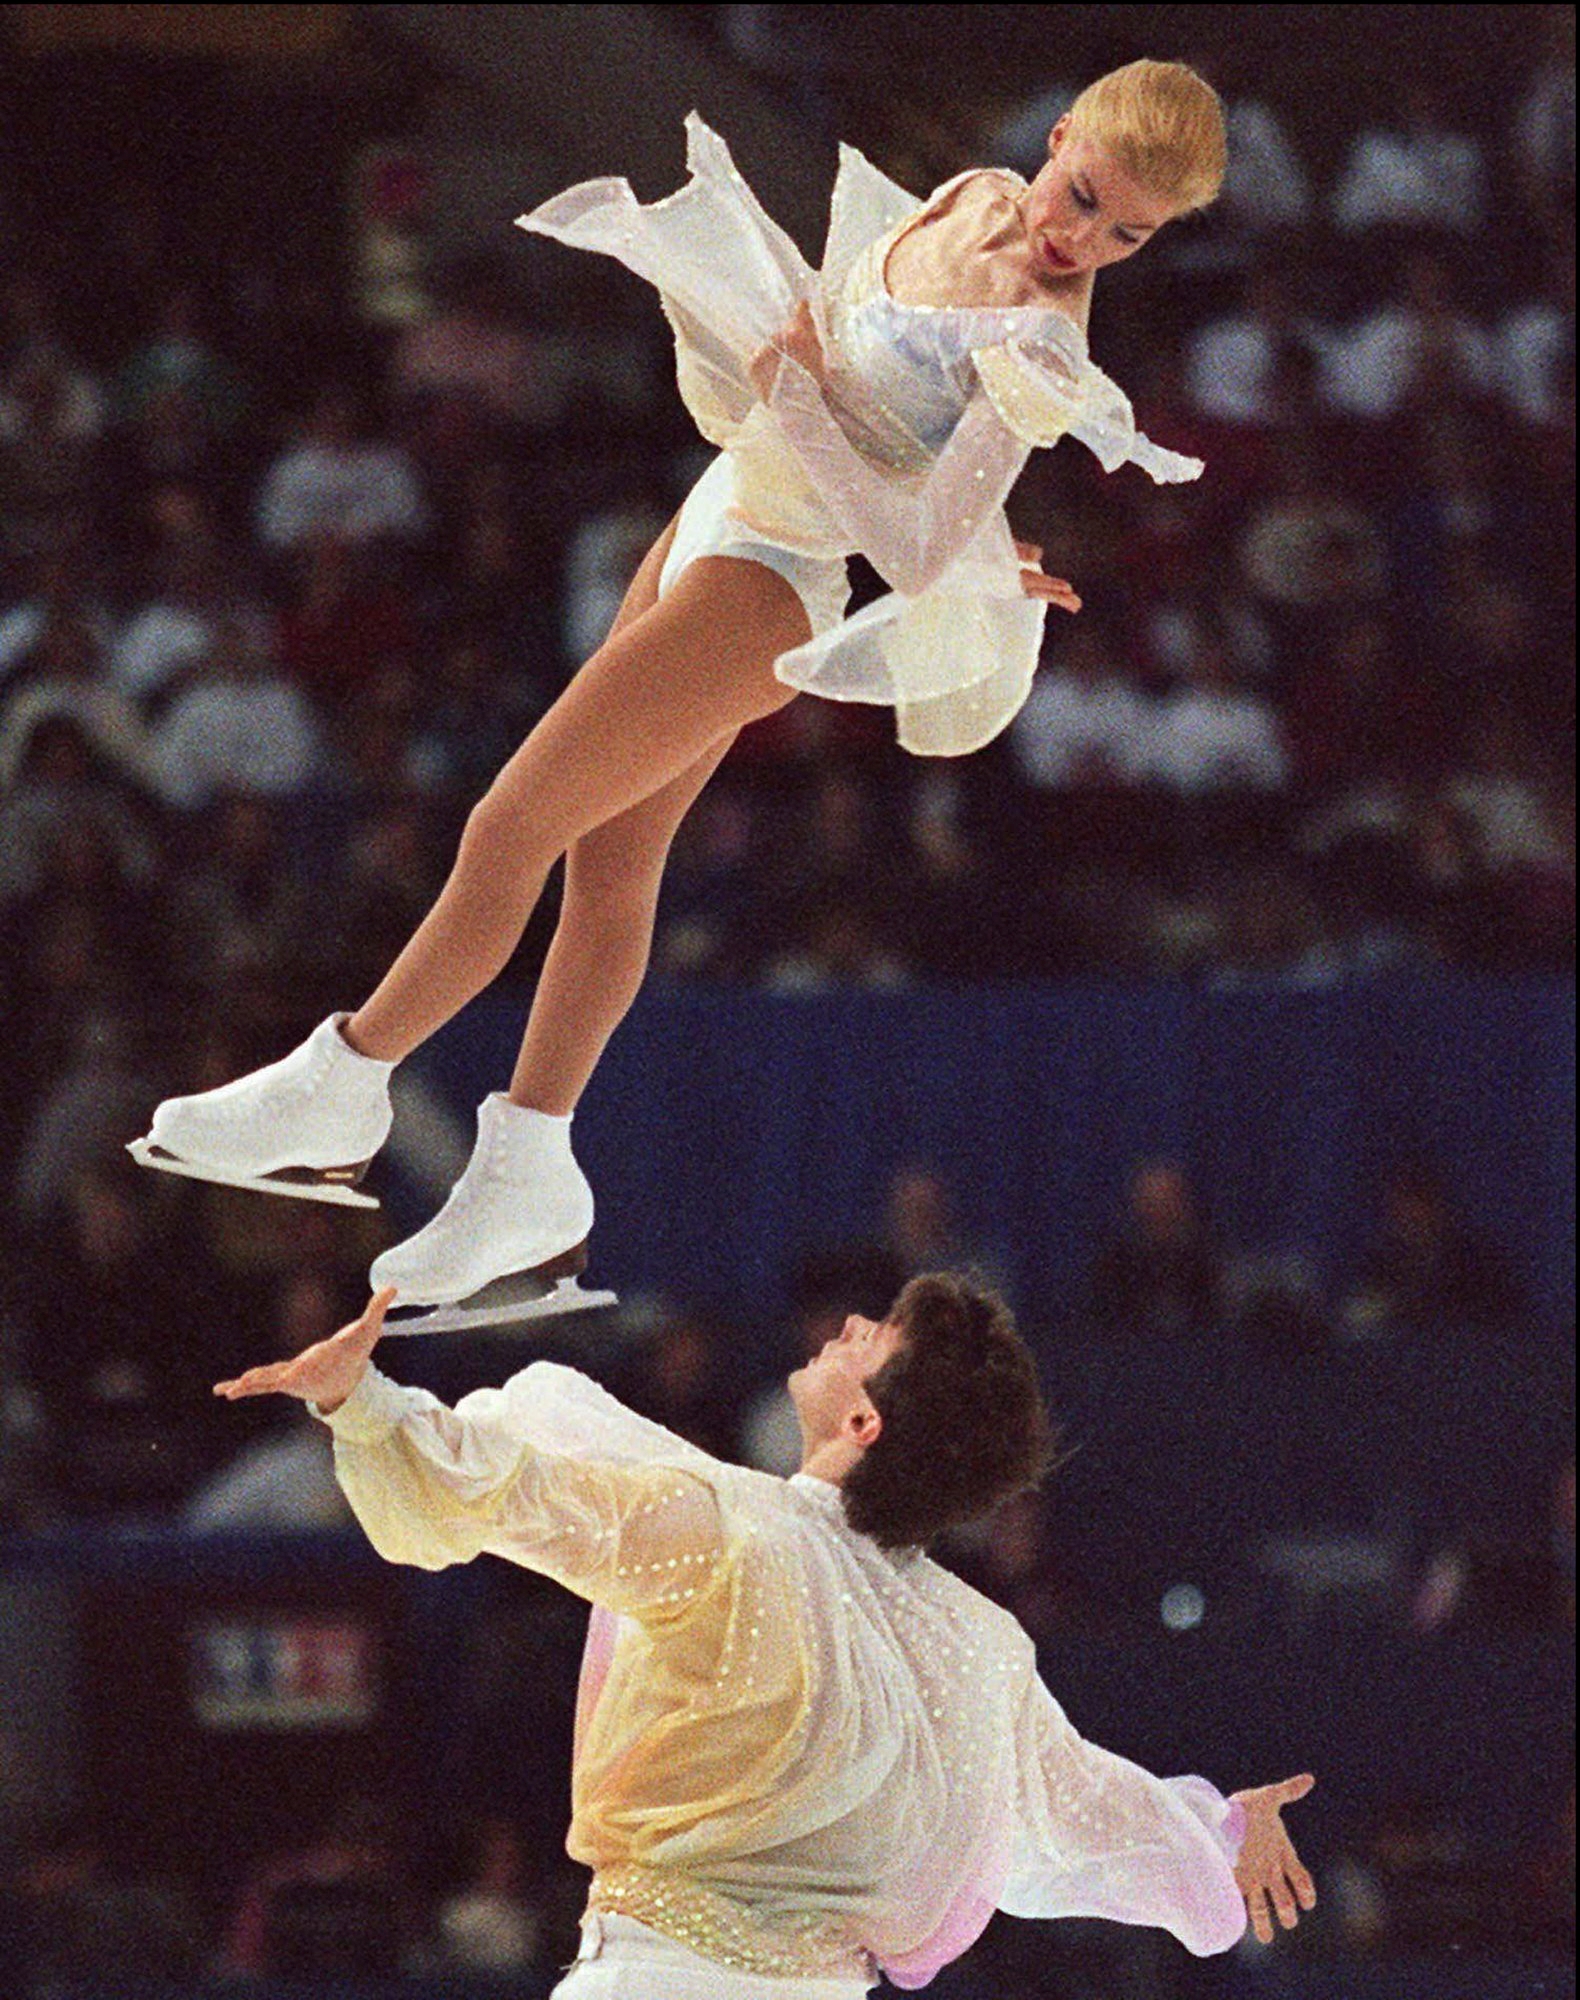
[617, 1518]
[1044, 387]
[1098, 1836]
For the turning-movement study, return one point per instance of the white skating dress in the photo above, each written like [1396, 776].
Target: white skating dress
[905, 455]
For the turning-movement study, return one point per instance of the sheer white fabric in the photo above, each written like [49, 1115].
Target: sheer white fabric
[905, 454]
[795, 1754]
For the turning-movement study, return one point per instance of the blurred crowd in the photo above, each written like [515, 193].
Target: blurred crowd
[280, 589]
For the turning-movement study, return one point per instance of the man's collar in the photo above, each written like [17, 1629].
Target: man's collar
[823, 1491]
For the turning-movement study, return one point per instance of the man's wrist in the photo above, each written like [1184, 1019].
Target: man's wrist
[367, 1414]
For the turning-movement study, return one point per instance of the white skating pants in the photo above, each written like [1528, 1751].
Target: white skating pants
[621, 1959]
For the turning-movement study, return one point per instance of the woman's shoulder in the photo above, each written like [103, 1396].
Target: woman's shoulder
[977, 187]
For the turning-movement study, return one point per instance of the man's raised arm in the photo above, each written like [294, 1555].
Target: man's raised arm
[434, 1486]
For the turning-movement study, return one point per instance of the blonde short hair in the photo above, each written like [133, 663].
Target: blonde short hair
[1164, 124]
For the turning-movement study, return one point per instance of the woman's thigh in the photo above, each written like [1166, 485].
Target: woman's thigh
[665, 688]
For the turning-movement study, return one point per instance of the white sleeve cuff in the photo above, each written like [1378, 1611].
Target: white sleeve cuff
[375, 1407]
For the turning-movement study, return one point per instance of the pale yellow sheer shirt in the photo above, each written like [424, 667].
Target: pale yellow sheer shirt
[796, 1753]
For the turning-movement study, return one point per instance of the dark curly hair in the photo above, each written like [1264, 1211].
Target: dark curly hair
[963, 1420]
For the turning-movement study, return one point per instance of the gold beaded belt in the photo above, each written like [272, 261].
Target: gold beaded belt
[716, 1927]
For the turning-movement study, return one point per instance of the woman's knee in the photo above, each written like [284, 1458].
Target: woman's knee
[497, 836]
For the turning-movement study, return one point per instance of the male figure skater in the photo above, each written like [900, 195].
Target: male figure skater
[805, 1752]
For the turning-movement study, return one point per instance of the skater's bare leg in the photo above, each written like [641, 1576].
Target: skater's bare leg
[649, 705]
[598, 959]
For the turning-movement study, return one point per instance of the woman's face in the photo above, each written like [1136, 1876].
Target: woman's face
[1083, 211]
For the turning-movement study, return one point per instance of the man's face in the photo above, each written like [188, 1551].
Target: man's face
[832, 1386]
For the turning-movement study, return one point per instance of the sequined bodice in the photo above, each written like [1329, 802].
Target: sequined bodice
[905, 371]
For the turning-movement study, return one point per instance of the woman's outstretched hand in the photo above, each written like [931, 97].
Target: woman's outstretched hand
[324, 1374]
[1035, 584]
[1269, 1869]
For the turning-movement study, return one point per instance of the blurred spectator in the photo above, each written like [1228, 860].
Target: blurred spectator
[285, 1480]
[243, 914]
[1272, 1302]
[1353, 713]
[348, 615]
[1420, 350]
[1450, 507]
[88, 1098]
[64, 805]
[52, 418]
[1535, 344]
[1084, 722]
[177, 405]
[339, 1908]
[604, 554]
[179, 358]
[93, 1917]
[1418, 172]
[1240, 369]
[1411, 1887]
[1274, 935]
[55, 586]
[1427, 1269]
[1014, 1558]
[489, 1925]
[1216, 735]
[922, 1229]
[1305, 547]
[685, 1379]
[710, 881]
[64, 676]
[472, 718]
[175, 630]
[833, 890]
[472, 370]
[836, 944]
[1544, 124]
[25, 1502]
[1159, 1273]
[384, 878]
[1017, 135]
[495, 585]
[336, 480]
[1542, 1899]
[1266, 187]
[1508, 793]
[239, 726]
[104, 1305]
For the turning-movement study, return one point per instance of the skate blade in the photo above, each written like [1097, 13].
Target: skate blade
[147, 1154]
[508, 1302]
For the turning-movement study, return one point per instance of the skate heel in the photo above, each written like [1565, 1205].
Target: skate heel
[518, 1300]
[568, 1264]
[337, 1185]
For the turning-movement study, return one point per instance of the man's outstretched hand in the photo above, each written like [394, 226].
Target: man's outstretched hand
[1269, 1870]
[324, 1374]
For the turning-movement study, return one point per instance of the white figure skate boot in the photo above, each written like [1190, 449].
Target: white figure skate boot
[510, 1242]
[306, 1126]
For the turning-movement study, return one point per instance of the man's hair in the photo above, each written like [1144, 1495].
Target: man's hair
[963, 1420]
[1163, 122]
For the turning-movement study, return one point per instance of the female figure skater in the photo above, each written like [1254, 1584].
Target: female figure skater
[884, 404]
